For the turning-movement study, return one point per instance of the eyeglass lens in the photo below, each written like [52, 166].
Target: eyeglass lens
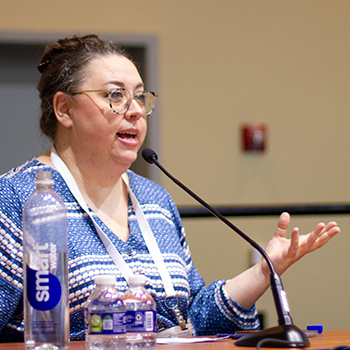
[120, 100]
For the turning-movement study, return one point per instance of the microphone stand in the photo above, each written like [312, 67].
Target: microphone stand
[286, 334]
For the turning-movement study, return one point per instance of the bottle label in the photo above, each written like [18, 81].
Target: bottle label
[141, 321]
[43, 288]
[107, 323]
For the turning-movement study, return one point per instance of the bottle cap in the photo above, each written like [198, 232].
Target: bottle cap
[137, 280]
[44, 177]
[105, 279]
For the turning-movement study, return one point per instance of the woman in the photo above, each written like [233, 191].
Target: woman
[94, 108]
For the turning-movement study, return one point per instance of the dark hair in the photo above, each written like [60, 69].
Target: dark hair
[63, 68]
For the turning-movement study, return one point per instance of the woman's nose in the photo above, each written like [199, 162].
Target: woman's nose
[135, 110]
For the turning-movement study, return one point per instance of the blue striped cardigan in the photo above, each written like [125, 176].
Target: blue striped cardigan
[209, 308]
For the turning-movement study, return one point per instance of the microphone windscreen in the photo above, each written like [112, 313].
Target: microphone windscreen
[149, 155]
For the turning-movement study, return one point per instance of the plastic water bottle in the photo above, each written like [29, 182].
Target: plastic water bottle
[140, 315]
[45, 268]
[105, 316]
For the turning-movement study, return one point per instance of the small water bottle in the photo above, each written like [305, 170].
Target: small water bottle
[45, 268]
[105, 316]
[140, 315]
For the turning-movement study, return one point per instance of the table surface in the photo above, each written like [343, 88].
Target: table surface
[325, 340]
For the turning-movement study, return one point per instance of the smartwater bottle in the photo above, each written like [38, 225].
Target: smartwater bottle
[140, 315]
[45, 268]
[105, 316]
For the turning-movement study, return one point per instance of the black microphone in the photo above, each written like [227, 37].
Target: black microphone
[286, 334]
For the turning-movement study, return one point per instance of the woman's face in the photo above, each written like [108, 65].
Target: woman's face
[95, 129]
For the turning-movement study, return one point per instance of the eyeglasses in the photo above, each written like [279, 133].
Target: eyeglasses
[120, 99]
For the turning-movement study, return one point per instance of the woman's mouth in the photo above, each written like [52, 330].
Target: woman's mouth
[128, 138]
[127, 135]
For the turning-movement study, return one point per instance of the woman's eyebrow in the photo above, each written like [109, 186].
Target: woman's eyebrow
[121, 84]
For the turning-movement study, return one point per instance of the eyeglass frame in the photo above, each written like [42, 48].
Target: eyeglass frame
[131, 97]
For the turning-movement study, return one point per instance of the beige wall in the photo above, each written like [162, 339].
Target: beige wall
[222, 63]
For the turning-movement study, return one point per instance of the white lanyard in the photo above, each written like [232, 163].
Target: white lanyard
[141, 219]
[113, 252]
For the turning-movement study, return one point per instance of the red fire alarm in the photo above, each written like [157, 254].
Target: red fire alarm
[253, 137]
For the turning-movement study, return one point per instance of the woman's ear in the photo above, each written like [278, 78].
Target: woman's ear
[61, 106]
